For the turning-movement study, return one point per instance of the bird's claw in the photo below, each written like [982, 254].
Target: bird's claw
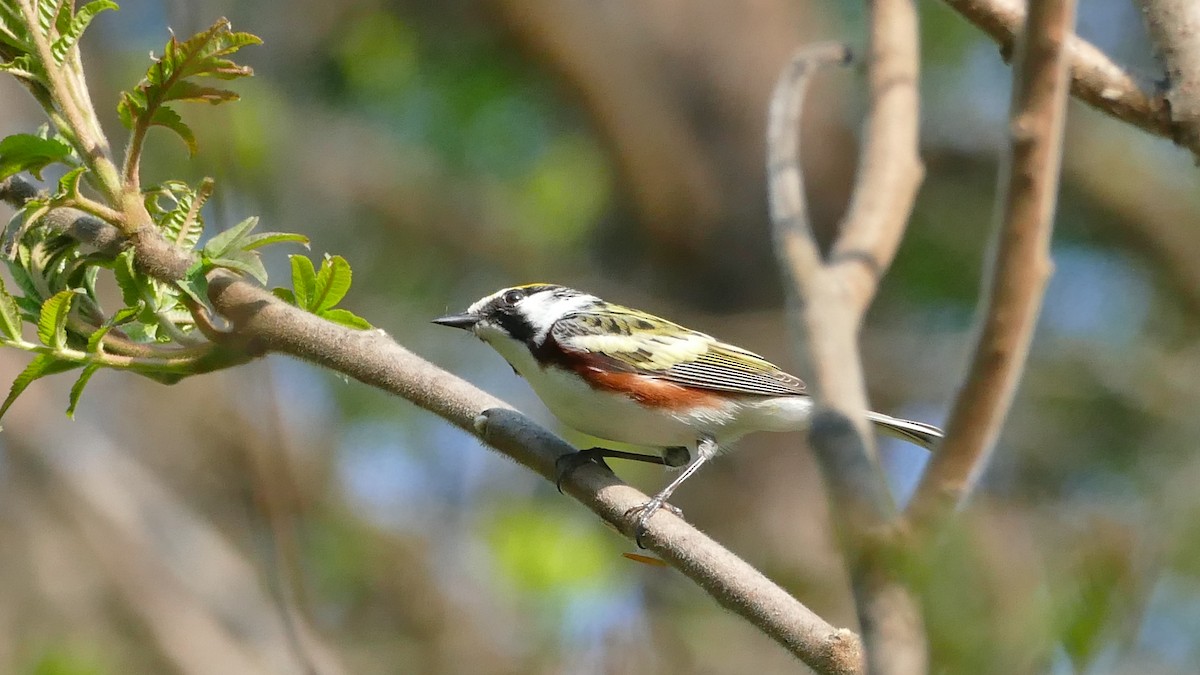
[566, 464]
[644, 512]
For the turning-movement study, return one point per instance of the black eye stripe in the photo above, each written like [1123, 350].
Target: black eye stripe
[515, 325]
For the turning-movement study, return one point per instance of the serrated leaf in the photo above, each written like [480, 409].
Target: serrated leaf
[284, 294]
[71, 30]
[186, 90]
[182, 223]
[41, 366]
[167, 79]
[346, 318]
[229, 240]
[122, 316]
[246, 262]
[267, 238]
[77, 388]
[13, 31]
[333, 281]
[23, 66]
[128, 280]
[26, 152]
[194, 284]
[304, 280]
[166, 117]
[52, 321]
[68, 185]
[10, 314]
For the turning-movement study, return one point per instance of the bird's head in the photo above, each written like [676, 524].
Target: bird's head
[521, 313]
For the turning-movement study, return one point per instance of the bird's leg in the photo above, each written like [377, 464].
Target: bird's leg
[706, 448]
[566, 464]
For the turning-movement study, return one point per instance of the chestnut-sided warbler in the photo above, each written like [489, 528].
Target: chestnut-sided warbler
[623, 375]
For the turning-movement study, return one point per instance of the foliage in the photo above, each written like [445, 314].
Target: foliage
[156, 331]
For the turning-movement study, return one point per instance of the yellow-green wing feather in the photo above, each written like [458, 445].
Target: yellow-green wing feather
[639, 342]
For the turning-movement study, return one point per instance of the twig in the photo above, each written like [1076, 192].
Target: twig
[1095, 78]
[834, 296]
[1012, 301]
[1175, 28]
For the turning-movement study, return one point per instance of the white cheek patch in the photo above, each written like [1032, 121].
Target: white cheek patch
[543, 309]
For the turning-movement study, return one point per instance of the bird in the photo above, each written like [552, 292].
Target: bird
[626, 376]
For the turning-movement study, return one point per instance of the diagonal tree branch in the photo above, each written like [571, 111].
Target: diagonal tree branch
[1013, 298]
[1095, 79]
[261, 323]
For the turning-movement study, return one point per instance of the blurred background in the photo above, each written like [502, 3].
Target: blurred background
[277, 518]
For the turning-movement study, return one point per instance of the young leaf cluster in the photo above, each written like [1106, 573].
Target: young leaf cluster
[173, 77]
[320, 290]
[156, 327]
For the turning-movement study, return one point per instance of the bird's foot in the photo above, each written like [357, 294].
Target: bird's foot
[644, 512]
[566, 464]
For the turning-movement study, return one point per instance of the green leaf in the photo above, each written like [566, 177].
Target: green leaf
[68, 185]
[52, 322]
[166, 117]
[333, 281]
[284, 294]
[70, 33]
[77, 388]
[13, 31]
[25, 67]
[229, 240]
[128, 280]
[168, 78]
[194, 283]
[10, 315]
[246, 262]
[267, 238]
[181, 222]
[26, 152]
[41, 366]
[304, 280]
[124, 315]
[346, 318]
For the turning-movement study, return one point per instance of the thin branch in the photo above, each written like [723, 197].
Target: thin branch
[833, 297]
[1012, 301]
[889, 168]
[81, 120]
[1095, 78]
[1175, 28]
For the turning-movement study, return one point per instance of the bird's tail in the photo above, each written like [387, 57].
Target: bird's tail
[924, 435]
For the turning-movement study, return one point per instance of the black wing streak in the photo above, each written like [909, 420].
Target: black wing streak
[713, 370]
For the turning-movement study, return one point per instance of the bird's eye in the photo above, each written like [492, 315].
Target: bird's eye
[512, 297]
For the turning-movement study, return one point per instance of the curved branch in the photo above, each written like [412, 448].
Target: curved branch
[1013, 299]
[835, 294]
[1095, 79]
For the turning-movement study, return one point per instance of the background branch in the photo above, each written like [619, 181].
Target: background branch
[1095, 79]
[1012, 300]
[1174, 26]
[833, 296]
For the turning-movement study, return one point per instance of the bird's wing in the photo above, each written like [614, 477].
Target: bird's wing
[634, 341]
